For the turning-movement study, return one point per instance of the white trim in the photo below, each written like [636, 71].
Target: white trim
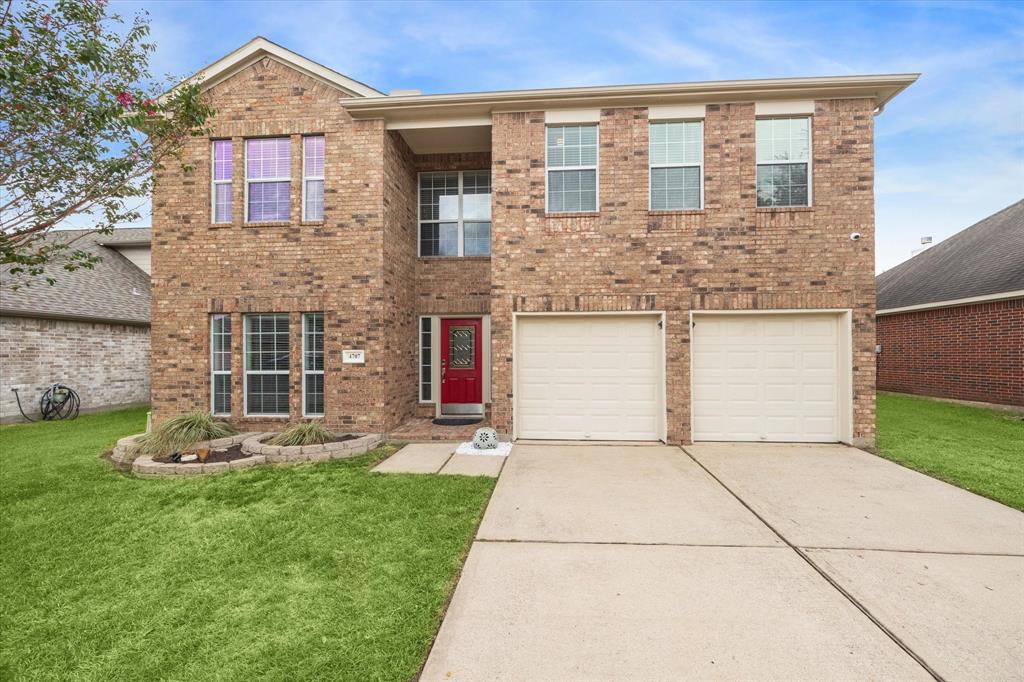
[308, 178]
[596, 168]
[658, 112]
[246, 371]
[844, 318]
[561, 116]
[954, 302]
[809, 162]
[305, 372]
[246, 181]
[663, 360]
[219, 372]
[214, 182]
[453, 122]
[650, 166]
[785, 107]
[258, 48]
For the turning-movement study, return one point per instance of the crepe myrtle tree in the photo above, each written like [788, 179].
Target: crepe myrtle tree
[82, 128]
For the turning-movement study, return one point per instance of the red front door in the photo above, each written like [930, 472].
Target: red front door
[461, 370]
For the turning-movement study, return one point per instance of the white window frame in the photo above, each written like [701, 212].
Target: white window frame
[419, 346]
[809, 161]
[214, 182]
[246, 371]
[306, 178]
[218, 372]
[461, 221]
[596, 168]
[245, 170]
[651, 166]
[307, 372]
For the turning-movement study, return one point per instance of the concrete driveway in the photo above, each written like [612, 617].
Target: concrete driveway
[731, 561]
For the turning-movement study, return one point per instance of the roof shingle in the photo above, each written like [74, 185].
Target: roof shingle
[986, 258]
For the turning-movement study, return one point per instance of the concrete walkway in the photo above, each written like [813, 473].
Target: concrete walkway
[733, 561]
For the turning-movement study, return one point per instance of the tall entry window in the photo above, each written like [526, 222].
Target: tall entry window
[220, 364]
[313, 364]
[267, 361]
[455, 213]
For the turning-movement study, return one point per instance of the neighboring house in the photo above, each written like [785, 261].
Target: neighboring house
[643, 262]
[951, 319]
[89, 330]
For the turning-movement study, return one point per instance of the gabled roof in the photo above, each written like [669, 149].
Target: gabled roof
[986, 259]
[258, 48]
[114, 290]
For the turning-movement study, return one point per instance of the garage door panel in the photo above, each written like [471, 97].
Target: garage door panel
[766, 377]
[589, 377]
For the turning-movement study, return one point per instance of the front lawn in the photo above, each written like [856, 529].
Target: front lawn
[315, 571]
[978, 449]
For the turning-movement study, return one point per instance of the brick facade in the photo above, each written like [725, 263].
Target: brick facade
[970, 352]
[107, 364]
[360, 267]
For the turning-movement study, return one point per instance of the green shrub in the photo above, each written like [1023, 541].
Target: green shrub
[303, 433]
[178, 433]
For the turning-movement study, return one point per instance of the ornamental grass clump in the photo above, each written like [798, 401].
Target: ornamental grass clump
[304, 433]
[177, 434]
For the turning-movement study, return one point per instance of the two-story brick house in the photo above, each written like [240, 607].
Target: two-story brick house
[676, 262]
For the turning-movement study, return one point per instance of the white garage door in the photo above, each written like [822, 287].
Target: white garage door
[766, 377]
[589, 377]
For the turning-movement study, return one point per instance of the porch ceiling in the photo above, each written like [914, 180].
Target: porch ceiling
[431, 140]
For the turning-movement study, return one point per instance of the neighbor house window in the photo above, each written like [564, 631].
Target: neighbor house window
[783, 161]
[426, 344]
[267, 361]
[221, 190]
[455, 213]
[313, 178]
[267, 179]
[313, 364]
[572, 168]
[220, 364]
[676, 157]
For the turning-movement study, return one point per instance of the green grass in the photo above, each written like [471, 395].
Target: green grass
[315, 571]
[978, 449]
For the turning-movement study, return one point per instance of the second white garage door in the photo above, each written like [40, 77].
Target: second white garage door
[773, 377]
[589, 377]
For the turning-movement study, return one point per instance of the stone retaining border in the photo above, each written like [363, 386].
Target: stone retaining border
[252, 445]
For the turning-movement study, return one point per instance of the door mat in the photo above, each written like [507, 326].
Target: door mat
[457, 421]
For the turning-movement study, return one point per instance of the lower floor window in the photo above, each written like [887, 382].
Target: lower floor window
[220, 364]
[426, 344]
[313, 364]
[267, 362]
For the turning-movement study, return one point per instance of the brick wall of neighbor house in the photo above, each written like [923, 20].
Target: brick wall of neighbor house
[334, 266]
[107, 364]
[729, 256]
[971, 352]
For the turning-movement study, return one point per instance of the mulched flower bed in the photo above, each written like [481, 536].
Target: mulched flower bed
[228, 454]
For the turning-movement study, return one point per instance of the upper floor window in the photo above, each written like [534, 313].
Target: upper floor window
[313, 177]
[572, 168]
[220, 192]
[267, 179]
[455, 213]
[783, 161]
[676, 157]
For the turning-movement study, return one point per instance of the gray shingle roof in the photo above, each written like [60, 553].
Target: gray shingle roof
[114, 290]
[986, 258]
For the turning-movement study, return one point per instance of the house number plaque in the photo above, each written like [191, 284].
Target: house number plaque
[353, 357]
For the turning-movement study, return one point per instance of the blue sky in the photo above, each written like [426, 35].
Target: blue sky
[949, 151]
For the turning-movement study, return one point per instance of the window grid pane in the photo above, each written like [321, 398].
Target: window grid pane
[572, 190]
[676, 143]
[313, 174]
[426, 344]
[675, 188]
[314, 209]
[782, 184]
[313, 155]
[222, 202]
[313, 364]
[446, 214]
[222, 174]
[220, 363]
[269, 201]
[268, 159]
[267, 362]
